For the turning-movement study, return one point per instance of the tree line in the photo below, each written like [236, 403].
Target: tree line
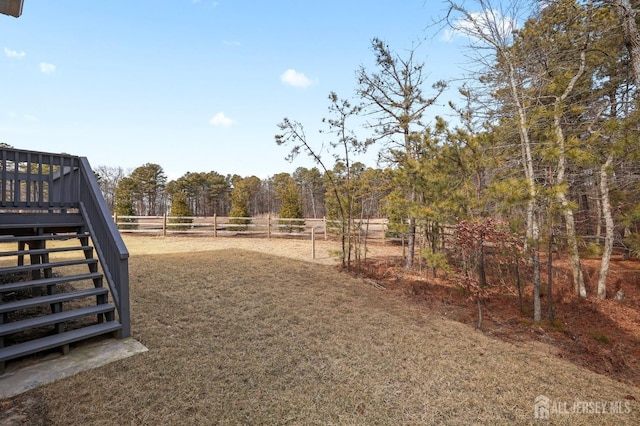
[145, 191]
[542, 151]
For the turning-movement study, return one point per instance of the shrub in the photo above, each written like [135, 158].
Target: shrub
[633, 245]
[437, 260]
[593, 250]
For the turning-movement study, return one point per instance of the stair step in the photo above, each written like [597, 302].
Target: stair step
[24, 221]
[53, 298]
[36, 266]
[44, 251]
[56, 340]
[47, 237]
[16, 326]
[5, 288]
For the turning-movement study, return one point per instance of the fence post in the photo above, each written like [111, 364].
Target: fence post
[384, 230]
[115, 219]
[164, 225]
[324, 220]
[269, 226]
[313, 242]
[215, 225]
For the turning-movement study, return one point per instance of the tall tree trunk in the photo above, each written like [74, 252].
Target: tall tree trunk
[598, 218]
[608, 218]
[435, 228]
[550, 272]
[411, 243]
[527, 160]
[572, 241]
[627, 16]
[482, 274]
[537, 306]
[313, 202]
[533, 228]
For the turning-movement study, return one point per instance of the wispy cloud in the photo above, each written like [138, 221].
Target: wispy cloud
[220, 119]
[487, 23]
[210, 3]
[232, 43]
[10, 53]
[26, 117]
[448, 34]
[46, 68]
[296, 79]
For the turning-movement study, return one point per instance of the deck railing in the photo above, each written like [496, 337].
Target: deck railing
[56, 183]
[37, 180]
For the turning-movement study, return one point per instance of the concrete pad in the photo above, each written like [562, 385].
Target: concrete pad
[22, 377]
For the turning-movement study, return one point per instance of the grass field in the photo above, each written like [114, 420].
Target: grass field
[247, 331]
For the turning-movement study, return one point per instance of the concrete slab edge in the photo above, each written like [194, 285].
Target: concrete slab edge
[21, 378]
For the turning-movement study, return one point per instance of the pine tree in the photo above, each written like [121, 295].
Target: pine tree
[393, 93]
[288, 196]
[124, 202]
[180, 211]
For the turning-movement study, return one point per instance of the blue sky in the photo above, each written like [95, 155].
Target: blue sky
[195, 85]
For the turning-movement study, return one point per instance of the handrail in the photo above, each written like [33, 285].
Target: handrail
[112, 252]
[38, 181]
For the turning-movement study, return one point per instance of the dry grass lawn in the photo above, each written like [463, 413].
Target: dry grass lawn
[250, 331]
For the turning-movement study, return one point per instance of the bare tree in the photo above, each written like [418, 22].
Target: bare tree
[344, 144]
[108, 179]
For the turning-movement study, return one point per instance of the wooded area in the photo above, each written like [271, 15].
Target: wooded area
[543, 154]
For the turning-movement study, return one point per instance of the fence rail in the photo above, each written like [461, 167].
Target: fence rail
[258, 226]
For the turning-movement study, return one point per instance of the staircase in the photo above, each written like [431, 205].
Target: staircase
[63, 265]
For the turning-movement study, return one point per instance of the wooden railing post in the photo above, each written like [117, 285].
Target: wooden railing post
[313, 242]
[215, 225]
[324, 220]
[164, 225]
[384, 230]
[269, 226]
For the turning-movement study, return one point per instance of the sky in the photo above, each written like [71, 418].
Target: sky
[198, 85]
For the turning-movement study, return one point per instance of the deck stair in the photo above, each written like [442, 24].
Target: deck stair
[64, 273]
[51, 290]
